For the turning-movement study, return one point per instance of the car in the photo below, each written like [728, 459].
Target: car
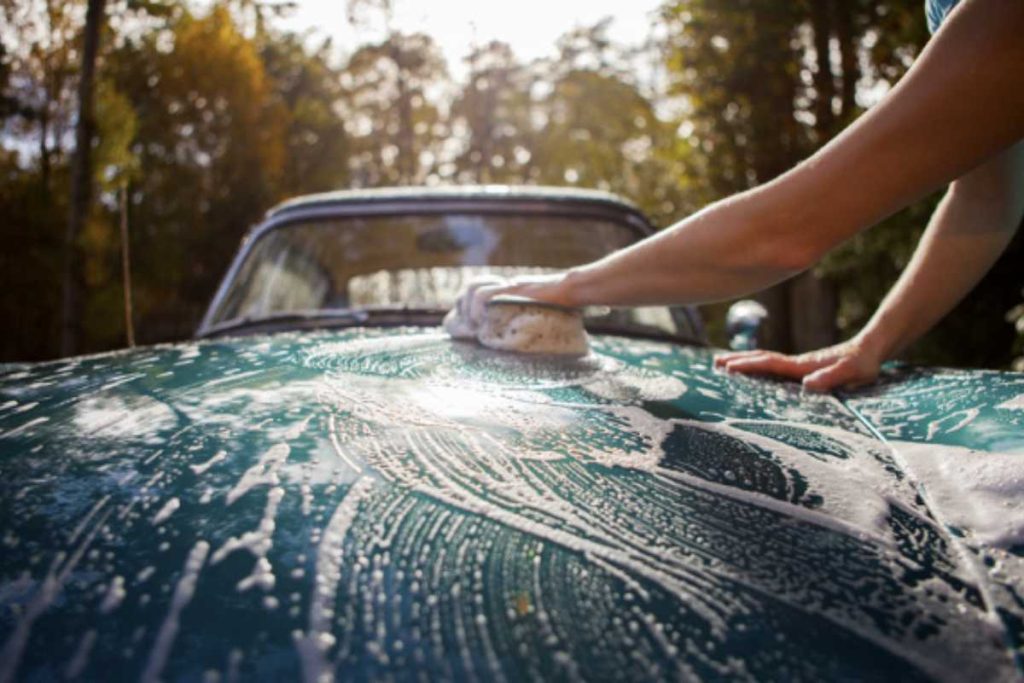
[324, 486]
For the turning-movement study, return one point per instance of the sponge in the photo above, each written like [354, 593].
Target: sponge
[514, 323]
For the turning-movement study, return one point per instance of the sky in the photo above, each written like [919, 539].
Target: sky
[531, 27]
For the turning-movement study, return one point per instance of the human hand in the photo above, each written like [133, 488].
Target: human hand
[550, 288]
[464, 320]
[848, 364]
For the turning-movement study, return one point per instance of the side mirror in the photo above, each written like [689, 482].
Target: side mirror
[743, 323]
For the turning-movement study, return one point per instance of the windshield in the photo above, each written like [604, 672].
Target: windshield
[419, 261]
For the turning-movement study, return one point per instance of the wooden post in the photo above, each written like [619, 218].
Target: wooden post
[126, 266]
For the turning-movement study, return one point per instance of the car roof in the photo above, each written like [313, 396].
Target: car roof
[487, 193]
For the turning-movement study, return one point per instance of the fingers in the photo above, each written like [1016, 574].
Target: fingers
[769, 363]
[819, 371]
[479, 297]
[846, 372]
[466, 301]
[723, 358]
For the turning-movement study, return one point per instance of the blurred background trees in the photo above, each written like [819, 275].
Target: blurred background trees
[207, 114]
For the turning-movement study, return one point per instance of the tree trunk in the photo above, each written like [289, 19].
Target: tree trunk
[81, 183]
[824, 81]
[813, 301]
[406, 144]
[776, 333]
[848, 57]
[774, 150]
[813, 308]
[126, 267]
[44, 146]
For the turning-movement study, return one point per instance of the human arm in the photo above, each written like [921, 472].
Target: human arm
[968, 231]
[959, 104]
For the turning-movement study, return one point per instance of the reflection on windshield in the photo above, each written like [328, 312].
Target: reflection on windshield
[423, 287]
[416, 261]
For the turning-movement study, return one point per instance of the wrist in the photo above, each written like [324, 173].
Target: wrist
[877, 341]
[569, 288]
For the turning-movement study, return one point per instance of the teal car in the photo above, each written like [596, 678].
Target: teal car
[323, 486]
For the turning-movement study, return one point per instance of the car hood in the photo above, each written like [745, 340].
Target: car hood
[374, 503]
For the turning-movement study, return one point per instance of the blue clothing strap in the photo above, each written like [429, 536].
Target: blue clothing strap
[936, 11]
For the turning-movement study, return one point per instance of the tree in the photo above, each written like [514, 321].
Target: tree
[211, 138]
[309, 89]
[492, 115]
[395, 128]
[593, 127]
[81, 180]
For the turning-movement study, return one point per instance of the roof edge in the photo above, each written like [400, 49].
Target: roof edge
[454, 192]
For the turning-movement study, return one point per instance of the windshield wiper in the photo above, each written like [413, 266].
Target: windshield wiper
[339, 315]
[388, 316]
[331, 317]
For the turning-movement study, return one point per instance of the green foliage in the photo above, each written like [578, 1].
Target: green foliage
[493, 114]
[206, 125]
[395, 127]
[308, 89]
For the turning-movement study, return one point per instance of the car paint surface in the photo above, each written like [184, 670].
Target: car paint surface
[376, 503]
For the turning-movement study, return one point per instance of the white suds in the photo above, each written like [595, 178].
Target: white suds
[313, 645]
[259, 543]
[296, 430]
[81, 657]
[88, 516]
[25, 427]
[183, 593]
[980, 492]
[263, 472]
[946, 425]
[114, 596]
[307, 498]
[166, 511]
[50, 587]
[1015, 403]
[203, 466]
[262, 575]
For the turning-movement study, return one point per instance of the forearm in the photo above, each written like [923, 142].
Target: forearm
[961, 103]
[970, 229]
[721, 252]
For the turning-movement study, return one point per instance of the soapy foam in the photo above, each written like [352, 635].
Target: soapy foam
[183, 593]
[114, 597]
[1015, 403]
[202, 467]
[313, 645]
[524, 444]
[258, 542]
[448, 449]
[48, 591]
[166, 511]
[533, 329]
[981, 493]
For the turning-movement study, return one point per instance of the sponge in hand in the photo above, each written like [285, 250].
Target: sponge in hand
[523, 325]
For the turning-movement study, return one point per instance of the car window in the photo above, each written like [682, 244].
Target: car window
[419, 261]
